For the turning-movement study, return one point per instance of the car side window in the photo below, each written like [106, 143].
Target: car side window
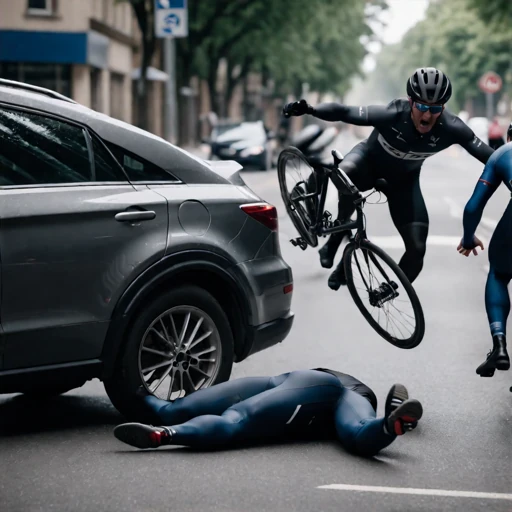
[105, 167]
[37, 150]
[139, 169]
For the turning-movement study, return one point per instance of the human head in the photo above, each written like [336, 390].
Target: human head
[426, 88]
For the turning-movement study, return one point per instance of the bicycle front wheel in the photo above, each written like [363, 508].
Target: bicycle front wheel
[383, 294]
[297, 179]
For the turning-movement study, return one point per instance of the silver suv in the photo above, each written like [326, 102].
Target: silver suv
[125, 258]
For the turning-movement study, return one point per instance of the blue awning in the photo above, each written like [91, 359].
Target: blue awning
[49, 47]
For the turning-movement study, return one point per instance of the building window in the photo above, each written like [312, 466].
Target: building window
[42, 7]
[117, 95]
[96, 96]
[56, 77]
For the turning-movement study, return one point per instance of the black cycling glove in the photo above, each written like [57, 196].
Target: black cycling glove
[297, 108]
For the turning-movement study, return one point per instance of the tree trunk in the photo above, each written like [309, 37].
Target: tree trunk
[234, 81]
[212, 86]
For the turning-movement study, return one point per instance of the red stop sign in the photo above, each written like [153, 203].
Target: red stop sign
[490, 82]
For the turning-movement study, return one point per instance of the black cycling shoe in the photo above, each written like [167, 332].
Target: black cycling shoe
[143, 436]
[497, 358]
[337, 278]
[328, 251]
[402, 413]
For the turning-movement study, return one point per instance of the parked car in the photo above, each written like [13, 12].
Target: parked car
[126, 258]
[248, 143]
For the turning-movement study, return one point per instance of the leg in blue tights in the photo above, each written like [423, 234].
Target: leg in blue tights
[289, 404]
[212, 401]
[497, 301]
[357, 427]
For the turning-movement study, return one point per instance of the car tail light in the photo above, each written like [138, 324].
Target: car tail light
[288, 288]
[262, 212]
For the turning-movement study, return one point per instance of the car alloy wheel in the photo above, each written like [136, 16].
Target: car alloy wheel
[181, 352]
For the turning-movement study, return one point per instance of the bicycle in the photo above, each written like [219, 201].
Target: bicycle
[361, 258]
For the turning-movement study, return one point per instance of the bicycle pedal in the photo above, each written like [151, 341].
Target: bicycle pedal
[299, 242]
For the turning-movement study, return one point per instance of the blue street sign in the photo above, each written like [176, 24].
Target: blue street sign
[171, 18]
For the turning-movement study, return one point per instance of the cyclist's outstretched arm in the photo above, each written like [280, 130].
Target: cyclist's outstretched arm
[484, 189]
[371, 115]
[362, 116]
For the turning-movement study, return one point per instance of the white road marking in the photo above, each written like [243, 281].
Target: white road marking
[424, 492]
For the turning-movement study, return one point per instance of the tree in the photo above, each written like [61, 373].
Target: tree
[144, 11]
[496, 12]
[285, 41]
[464, 46]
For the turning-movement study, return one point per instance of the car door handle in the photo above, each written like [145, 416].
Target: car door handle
[133, 216]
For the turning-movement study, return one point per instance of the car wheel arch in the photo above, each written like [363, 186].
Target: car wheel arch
[205, 269]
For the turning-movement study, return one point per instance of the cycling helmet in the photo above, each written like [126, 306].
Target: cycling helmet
[429, 85]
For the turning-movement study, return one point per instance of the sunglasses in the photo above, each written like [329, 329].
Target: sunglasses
[434, 109]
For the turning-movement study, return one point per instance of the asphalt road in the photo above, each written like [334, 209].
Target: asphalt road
[60, 455]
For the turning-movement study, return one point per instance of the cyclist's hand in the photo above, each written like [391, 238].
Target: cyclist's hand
[296, 108]
[466, 251]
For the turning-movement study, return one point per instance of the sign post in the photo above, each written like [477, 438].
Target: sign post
[490, 83]
[171, 21]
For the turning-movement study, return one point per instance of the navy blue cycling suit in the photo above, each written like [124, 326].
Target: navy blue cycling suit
[304, 402]
[497, 302]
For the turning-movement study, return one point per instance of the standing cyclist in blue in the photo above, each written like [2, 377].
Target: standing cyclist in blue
[307, 402]
[497, 302]
[407, 131]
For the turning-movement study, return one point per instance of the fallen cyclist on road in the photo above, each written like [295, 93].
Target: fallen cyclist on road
[298, 403]
[497, 301]
[406, 132]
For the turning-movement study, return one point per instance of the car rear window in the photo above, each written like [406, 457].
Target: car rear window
[139, 169]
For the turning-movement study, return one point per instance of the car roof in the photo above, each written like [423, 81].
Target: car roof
[152, 148]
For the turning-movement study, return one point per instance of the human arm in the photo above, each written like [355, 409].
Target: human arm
[361, 116]
[484, 189]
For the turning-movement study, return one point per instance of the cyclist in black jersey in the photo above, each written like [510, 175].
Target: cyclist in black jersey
[406, 132]
[318, 402]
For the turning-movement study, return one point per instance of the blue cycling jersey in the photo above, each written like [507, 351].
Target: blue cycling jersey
[497, 170]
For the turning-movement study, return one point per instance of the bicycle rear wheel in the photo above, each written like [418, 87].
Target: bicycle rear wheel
[297, 179]
[383, 294]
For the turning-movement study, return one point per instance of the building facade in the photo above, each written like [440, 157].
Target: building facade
[83, 49]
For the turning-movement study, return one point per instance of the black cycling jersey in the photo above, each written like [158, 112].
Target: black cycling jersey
[395, 143]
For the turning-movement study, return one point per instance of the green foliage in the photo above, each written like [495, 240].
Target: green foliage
[495, 12]
[454, 38]
[314, 41]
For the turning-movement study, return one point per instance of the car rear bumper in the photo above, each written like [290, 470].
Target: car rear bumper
[263, 336]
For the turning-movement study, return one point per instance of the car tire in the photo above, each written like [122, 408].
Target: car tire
[122, 386]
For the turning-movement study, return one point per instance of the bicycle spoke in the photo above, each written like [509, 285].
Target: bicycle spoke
[396, 315]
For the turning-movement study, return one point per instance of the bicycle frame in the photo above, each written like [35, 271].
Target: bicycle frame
[323, 174]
